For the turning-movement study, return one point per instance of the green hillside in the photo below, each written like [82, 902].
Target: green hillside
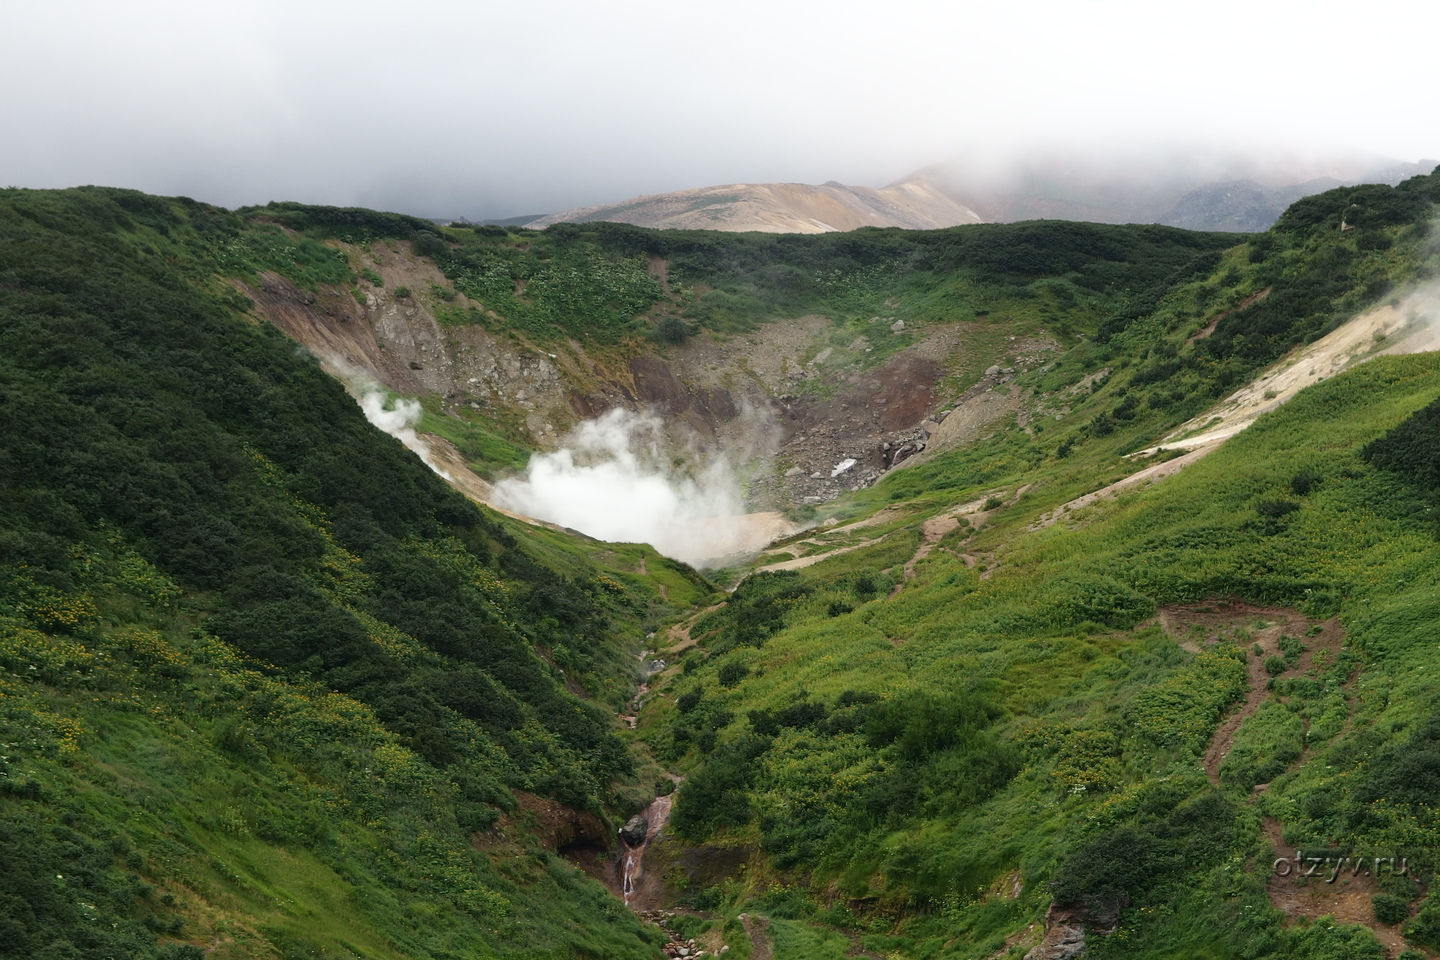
[264, 674]
[270, 688]
[926, 758]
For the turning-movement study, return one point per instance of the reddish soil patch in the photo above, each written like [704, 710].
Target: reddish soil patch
[866, 410]
[703, 408]
[577, 835]
[907, 390]
[672, 866]
[643, 889]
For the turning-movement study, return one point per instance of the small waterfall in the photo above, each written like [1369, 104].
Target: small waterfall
[627, 879]
[633, 854]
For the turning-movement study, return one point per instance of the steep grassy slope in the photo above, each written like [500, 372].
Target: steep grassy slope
[925, 739]
[264, 675]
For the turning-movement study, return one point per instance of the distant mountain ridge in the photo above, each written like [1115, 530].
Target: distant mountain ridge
[915, 203]
[1242, 196]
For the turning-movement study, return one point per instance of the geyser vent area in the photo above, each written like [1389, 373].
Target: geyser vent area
[614, 478]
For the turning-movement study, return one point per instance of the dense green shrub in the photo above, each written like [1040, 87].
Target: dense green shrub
[732, 673]
[356, 622]
[427, 243]
[672, 330]
[714, 796]
[1127, 863]
[1390, 909]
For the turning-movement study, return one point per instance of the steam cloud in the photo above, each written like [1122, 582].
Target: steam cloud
[399, 422]
[1421, 309]
[614, 479]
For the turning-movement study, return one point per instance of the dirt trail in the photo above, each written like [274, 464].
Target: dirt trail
[757, 929]
[933, 530]
[883, 516]
[931, 533]
[678, 636]
[1195, 626]
[1210, 325]
[1347, 898]
[1216, 617]
[799, 563]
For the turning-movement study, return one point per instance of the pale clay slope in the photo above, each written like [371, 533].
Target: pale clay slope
[1408, 325]
[914, 203]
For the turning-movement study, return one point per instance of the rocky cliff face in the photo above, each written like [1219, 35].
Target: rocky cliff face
[808, 418]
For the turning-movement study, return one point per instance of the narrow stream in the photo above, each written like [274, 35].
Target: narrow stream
[652, 819]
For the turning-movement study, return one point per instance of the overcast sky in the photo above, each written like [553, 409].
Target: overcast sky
[494, 109]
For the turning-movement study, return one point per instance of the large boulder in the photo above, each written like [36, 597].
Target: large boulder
[635, 830]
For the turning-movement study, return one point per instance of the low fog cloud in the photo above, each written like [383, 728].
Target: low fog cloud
[497, 110]
[1420, 306]
[615, 478]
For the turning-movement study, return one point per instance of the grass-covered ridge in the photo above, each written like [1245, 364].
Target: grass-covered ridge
[604, 282]
[910, 753]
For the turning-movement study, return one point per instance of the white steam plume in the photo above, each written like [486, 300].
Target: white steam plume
[1421, 310]
[614, 480]
[399, 422]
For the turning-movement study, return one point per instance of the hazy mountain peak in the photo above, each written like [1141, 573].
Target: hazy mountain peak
[914, 203]
[1195, 189]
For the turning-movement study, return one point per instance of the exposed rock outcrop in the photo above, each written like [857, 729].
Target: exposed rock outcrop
[787, 394]
[1066, 927]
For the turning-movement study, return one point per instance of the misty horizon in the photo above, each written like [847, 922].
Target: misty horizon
[494, 111]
